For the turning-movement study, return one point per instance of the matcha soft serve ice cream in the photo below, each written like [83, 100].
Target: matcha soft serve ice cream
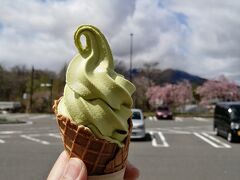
[94, 113]
[95, 95]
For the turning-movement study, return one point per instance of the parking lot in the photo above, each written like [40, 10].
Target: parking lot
[185, 148]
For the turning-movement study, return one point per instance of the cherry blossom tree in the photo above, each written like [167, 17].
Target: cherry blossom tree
[183, 93]
[218, 90]
[170, 94]
[153, 94]
[141, 101]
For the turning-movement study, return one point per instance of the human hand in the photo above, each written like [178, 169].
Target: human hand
[75, 169]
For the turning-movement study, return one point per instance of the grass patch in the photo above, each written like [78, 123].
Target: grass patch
[148, 114]
[4, 120]
[204, 115]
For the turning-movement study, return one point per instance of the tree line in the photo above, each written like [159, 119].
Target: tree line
[15, 85]
[36, 89]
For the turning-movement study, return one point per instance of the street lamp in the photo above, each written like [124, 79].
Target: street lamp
[131, 52]
[31, 91]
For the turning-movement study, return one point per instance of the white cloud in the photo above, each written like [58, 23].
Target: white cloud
[213, 43]
[201, 37]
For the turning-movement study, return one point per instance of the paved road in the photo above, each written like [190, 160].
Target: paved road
[182, 149]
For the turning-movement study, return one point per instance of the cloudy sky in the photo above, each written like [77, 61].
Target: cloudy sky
[200, 37]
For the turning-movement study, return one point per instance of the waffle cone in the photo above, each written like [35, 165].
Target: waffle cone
[99, 155]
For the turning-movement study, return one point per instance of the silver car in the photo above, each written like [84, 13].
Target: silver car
[138, 131]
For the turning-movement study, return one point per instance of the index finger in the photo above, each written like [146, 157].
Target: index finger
[59, 166]
[131, 172]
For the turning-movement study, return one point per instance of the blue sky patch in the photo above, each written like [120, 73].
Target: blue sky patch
[182, 18]
[162, 3]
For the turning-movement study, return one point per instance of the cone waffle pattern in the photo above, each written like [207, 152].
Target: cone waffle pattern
[99, 155]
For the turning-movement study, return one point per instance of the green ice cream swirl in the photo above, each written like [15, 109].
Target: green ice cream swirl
[94, 94]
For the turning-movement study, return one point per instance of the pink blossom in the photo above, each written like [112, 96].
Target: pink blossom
[218, 90]
[170, 94]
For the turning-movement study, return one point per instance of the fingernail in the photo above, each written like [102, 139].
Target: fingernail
[130, 166]
[73, 169]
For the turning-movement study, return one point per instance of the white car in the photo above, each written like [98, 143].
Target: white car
[138, 131]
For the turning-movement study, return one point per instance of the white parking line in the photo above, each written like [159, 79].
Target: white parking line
[192, 127]
[54, 135]
[165, 144]
[18, 115]
[39, 116]
[206, 140]
[152, 118]
[154, 140]
[200, 119]
[217, 140]
[29, 137]
[171, 131]
[209, 139]
[178, 119]
[10, 132]
[168, 131]
[2, 141]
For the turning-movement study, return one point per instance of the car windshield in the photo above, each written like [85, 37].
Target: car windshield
[235, 114]
[162, 108]
[136, 115]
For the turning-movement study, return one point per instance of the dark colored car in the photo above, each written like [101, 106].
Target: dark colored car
[163, 112]
[227, 120]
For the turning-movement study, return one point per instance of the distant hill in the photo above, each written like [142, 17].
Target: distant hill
[174, 76]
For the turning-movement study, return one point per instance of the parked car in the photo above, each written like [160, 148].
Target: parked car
[138, 130]
[10, 106]
[163, 112]
[227, 120]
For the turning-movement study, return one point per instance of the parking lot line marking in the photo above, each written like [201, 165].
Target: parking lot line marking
[169, 131]
[39, 117]
[178, 119]
[54, 135]
[28, 137]
[177, 131]
[200, 119]
[154, 140]
[165, 144]
[2, 141]
[216, 140]
[152, 118]
[18, 115]
[10, 132]
[206, 140]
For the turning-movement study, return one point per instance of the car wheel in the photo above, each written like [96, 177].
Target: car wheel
[230, 137]
[216, 132]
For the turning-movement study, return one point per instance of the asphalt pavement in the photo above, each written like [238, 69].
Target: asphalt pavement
[182, 149]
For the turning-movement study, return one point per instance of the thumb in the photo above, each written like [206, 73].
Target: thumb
[75, 170]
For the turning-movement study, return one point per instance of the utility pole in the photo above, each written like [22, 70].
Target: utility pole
[131, 52]
[50, 87]
[51, 95]
[31, 89]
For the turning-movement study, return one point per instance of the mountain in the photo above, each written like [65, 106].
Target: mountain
[175, 76]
